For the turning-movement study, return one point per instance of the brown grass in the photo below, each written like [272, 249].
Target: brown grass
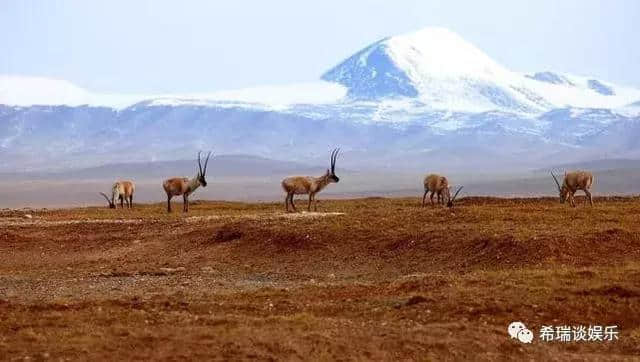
[365, 279]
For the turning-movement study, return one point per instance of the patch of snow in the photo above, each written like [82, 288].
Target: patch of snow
[28, 91]
[439, 54]
[579, 92]
[272, 97]
[629, 110]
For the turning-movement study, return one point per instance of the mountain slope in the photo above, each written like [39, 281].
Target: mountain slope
[236, 166]
[43, 137]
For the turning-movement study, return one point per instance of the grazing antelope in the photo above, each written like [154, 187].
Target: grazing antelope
[438, 185]
[574, 181]
[303, 185]
[122, 191]
[184, 186]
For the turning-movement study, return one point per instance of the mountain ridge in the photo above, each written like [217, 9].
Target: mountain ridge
[397, 103]
[432, 67]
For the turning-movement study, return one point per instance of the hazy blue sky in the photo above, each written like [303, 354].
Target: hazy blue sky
[195, 46]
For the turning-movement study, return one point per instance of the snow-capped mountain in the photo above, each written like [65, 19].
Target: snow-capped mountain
[443, 71]
[425, 98]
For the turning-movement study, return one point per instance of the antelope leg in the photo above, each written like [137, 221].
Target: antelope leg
[588, 193]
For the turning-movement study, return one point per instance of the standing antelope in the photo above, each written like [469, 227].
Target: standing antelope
[438, 185]
[122, 191]
[574, 181]
[183, 186]
[303, 185]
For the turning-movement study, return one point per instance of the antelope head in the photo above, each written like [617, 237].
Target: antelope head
[563, 193]
[452, 199]
[332, 172]
[112, 205]
[202, 171]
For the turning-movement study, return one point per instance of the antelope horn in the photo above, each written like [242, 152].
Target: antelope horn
[106, 197]
[206, 162]
[199, 164]
[456, 194]
[556, 180]
[334, 156]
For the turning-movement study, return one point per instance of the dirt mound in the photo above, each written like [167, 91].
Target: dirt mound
[226, 234]
[612, 291]
[398, 235]
[13, 237]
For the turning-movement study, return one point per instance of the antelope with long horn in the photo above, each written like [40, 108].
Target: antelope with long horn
[437, 185]
[184, 186]
[574, 181]
[309, 185]
[121, 191]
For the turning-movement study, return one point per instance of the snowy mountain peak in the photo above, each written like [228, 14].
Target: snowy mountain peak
[413, 64]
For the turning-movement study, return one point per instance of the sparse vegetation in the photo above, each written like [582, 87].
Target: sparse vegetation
[374, 279]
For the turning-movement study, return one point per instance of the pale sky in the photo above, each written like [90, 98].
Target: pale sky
[202, 46]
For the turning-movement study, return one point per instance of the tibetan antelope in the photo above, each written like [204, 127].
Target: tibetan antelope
[574, 181]
[121, 191]
[309, 185]
[438, 185]
[184, 186]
